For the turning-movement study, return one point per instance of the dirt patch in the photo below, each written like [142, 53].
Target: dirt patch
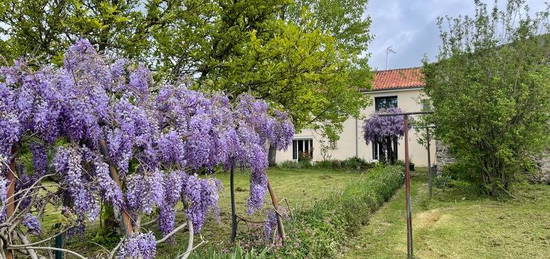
[427, 219]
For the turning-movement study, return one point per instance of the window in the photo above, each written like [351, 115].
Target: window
[302, 149]
[426, 105]
[389, 153]
[385, 102]
[385, 151]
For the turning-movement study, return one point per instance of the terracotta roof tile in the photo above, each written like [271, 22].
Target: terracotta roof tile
[398, 78]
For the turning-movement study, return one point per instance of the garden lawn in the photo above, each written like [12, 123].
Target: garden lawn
[456, 224]
[300, 187]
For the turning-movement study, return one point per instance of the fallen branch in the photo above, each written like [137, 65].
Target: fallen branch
[112, 254]
[249, 221]
[190, 242]
[172, 233]
[50, 248]
[41, 241]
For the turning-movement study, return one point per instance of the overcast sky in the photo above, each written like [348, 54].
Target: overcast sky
[408, 26]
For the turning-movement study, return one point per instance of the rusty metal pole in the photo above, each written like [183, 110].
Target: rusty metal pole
[408, 202]
[430, 175]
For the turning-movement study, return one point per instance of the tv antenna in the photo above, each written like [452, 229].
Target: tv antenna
[388, 51]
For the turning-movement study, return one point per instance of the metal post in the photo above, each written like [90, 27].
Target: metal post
[233, 206]
[408, 201]
[430, 176]
[59, 242]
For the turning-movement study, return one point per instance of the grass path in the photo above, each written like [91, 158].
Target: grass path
[455, 224]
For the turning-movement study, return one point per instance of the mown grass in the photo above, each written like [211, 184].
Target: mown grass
[459, 224]
[300, 187]
[322, 230]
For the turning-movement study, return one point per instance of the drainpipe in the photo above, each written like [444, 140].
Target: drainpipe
[356, 137]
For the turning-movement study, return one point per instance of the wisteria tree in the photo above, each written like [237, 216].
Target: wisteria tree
[95, 129]
[385, 131]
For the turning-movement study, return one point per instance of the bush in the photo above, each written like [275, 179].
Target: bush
[322, 230]
[237, 253]
[295, 164]
[402, 163]
[353, 163]
[357, 163]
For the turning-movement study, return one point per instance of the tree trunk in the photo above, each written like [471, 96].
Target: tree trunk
[233, 206]
[126, 219]
[109, 222]
[10, 203]
[272, 155]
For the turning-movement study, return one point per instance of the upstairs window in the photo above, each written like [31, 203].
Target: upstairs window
[386, 102]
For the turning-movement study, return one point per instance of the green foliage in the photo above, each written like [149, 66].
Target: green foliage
[490, 90]
[322, 230]
[237, 253]
[402, 164]
[354, 164]
[295, 164]
[303, 56]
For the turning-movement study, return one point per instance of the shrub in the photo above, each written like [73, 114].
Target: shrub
[402, 163]
[353, 163]
[295, 164]
[237, 253]
[356, 163]
[322, 230]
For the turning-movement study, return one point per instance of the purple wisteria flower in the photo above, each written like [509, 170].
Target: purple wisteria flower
[142, 245]
[155, 142]
[270, 225]
[33, 225]
[378, 127]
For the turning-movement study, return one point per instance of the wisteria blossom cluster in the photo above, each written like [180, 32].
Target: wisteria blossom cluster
[113, 140]
[377, 127]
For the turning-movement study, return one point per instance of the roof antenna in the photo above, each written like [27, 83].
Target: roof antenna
[388, 51]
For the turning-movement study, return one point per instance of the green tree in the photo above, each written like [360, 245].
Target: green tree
[490, 91]
[307, 57]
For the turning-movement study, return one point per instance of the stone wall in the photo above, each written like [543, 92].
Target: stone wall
[443, 156]
[543, 166]
[542, 175]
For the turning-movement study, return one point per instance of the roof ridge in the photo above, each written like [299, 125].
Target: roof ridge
[397, 69]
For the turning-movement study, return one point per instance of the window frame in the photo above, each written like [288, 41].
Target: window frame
[377, 100]
[306, 144]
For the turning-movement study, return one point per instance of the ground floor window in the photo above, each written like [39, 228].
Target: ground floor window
[302, 149]
[385, 150]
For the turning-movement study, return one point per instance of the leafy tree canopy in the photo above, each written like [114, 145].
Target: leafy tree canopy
[305, 56]
[490, 90]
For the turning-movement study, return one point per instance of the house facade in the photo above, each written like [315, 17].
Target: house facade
[401, 88]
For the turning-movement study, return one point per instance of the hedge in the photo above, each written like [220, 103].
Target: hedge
[323, 230]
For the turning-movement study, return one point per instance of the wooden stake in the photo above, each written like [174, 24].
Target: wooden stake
[275, 203]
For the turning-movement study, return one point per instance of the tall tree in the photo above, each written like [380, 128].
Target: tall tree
[305, 56]
[490, 90]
